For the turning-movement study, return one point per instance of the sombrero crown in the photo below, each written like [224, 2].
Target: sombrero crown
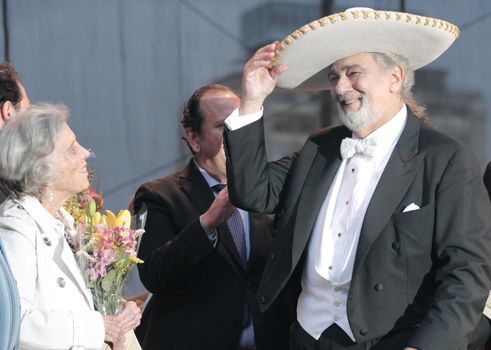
[316, 45]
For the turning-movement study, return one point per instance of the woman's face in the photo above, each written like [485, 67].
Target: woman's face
[69, 159]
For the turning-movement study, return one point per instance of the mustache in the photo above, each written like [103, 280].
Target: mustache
[349, 96]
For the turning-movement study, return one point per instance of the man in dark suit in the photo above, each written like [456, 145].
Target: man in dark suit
[203, 277]
[386, 218]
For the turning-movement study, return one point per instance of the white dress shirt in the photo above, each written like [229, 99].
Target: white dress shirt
[334, 240]
[56, 308]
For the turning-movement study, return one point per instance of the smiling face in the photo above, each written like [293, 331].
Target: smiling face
[366, 95]
[69, 160]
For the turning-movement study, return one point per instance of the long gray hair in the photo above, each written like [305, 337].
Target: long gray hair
[391, 60]
[26, 141]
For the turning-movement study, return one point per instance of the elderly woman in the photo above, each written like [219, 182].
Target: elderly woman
[41, 166]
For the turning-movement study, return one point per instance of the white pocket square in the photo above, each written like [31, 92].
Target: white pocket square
[410, 207]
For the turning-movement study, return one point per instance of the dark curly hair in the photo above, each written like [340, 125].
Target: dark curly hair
[9, 88]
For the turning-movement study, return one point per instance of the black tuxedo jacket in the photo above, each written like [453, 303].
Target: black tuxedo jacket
[200, 290]
[427, 271]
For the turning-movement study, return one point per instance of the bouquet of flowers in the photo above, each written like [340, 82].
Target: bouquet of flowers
[107, 252]
[77, 204]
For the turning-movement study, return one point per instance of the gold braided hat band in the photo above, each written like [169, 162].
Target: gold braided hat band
[315, 46]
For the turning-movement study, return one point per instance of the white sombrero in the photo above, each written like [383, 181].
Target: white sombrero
[315, 46]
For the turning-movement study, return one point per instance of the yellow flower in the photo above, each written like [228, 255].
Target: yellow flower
[123, 218]
[136, 259]
[110, 218]
[97, 218]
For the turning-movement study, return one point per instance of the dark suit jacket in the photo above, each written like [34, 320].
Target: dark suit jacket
[426, 270]
[487, 179]
[200, 290]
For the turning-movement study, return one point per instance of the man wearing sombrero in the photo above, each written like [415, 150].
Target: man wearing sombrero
[386, 218]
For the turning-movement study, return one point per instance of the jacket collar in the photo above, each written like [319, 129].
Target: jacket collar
[43, 218]
[48, 226]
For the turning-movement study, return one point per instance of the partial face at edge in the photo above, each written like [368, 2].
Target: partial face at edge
[8, 110]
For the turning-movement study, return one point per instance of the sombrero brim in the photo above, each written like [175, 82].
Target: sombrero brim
[315, 46]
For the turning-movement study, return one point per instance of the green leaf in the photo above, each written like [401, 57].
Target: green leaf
[108, 281]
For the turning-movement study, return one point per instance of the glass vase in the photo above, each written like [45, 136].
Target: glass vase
[109, 303]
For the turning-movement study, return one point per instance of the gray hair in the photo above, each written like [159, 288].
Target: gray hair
[391, 60]
[26, 141]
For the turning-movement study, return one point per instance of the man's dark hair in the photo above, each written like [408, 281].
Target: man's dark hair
[192, 117]
[9, 88]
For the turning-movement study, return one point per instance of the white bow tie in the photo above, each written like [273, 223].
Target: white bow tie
[351, 146]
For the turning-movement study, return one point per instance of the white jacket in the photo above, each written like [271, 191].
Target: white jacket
[56, 309]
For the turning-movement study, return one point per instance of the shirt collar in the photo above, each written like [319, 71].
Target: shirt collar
[388, 134]
[210, 180]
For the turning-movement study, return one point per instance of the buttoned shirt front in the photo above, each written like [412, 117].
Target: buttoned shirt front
[334, 240]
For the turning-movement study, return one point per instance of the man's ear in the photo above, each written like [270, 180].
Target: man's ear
[397, 77]
[192, 138]
[6, 111]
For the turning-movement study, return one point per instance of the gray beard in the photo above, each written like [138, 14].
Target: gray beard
[356, 120]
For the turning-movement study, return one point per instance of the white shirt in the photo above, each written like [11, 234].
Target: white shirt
[56, 308]
[334, 240]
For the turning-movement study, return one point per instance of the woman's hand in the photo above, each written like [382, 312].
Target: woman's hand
[130, 317]
[116, 327]
[113, 333]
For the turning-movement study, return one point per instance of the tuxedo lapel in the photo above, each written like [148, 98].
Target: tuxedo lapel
[393, 184]
[315, 188]
[198, 191]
